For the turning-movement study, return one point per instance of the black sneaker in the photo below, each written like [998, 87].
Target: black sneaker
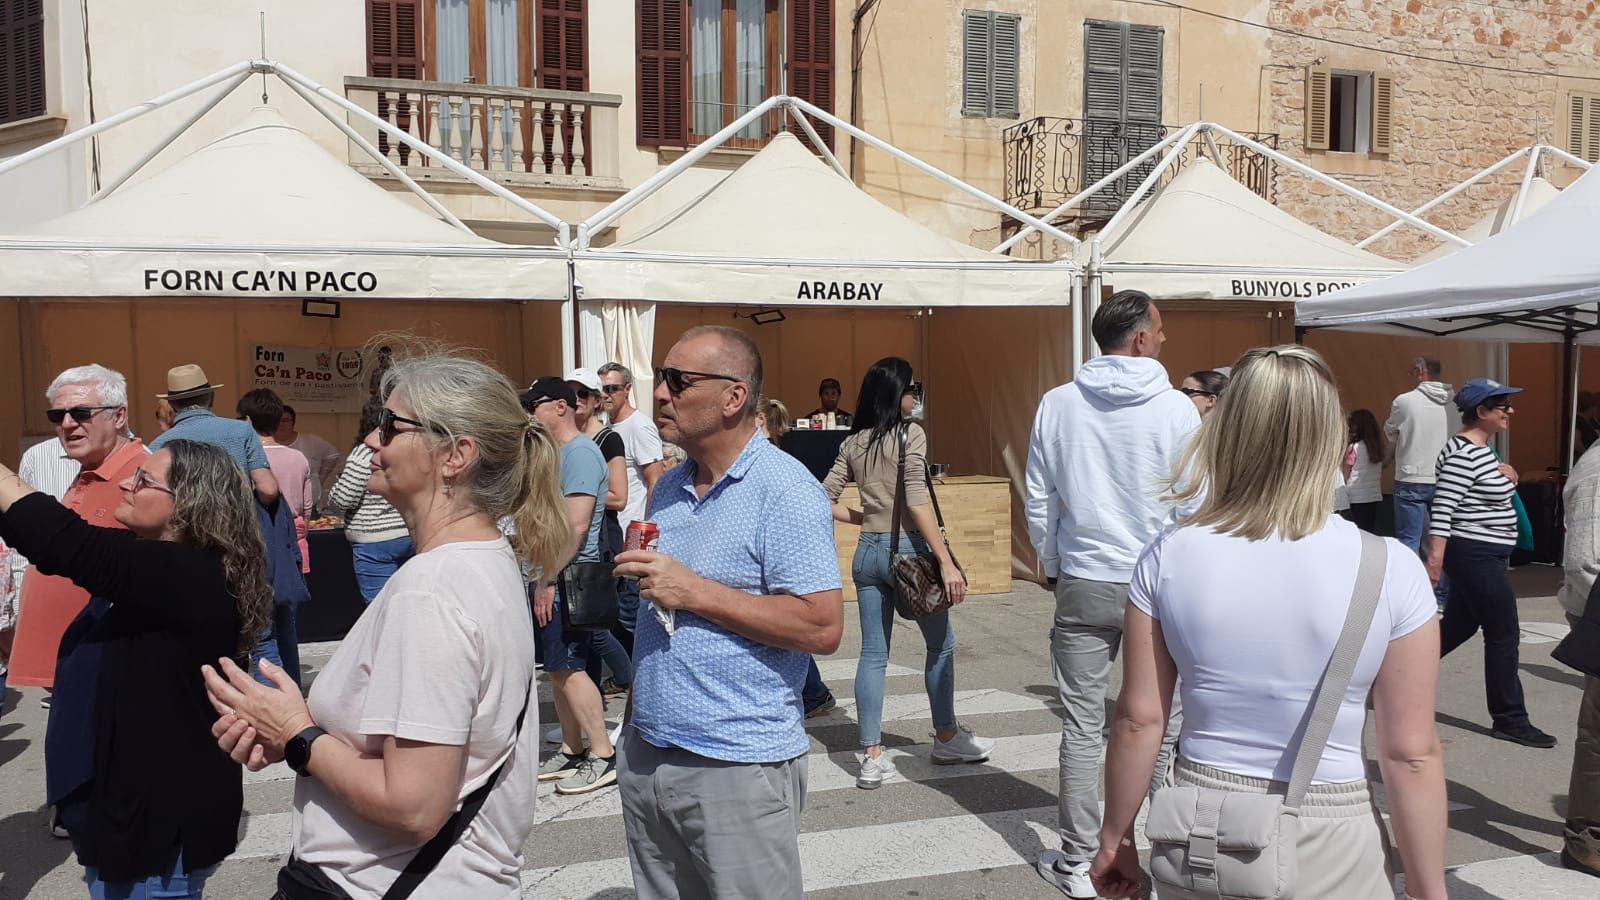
[1526, 735]
[560, 766]
[823, 706]
[611, 690]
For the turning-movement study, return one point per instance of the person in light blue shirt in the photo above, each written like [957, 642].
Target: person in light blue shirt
[191, 395]
[743, 585]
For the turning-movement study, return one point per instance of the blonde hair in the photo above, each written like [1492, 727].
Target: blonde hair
[777, 416]
[1264, 463]
[517, 472]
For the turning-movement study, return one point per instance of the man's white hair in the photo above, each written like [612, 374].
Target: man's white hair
[111, 388]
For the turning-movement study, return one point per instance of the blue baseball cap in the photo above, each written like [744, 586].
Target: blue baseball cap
[1479, 391]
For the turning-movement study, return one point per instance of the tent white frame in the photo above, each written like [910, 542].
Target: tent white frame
[1173, 145]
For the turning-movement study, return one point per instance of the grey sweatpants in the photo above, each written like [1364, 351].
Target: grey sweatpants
[703, 828]
[1083, 644]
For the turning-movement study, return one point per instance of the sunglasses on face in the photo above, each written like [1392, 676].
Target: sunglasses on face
[386, 422]
[677, 381]
[1196, 392]
[585, 393]
[613, 388]
[79, 414]
[142, 480]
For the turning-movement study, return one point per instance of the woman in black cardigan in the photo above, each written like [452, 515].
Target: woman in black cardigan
[130, 761]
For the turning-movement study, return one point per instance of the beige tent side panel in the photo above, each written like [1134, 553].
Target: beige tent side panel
[541, 341]
[1205, 334]
[12, 399]
[65, 333]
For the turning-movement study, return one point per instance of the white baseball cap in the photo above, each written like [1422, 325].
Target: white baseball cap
[585, 377]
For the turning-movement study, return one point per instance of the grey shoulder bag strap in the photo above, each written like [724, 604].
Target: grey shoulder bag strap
[1220, 843]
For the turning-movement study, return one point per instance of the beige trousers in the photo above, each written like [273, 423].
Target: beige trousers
[1342, 853]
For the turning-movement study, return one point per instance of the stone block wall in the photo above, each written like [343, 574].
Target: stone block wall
[1450, 120]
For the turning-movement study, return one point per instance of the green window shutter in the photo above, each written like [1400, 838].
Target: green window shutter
[1141, 94]
[1005, 45]
[975, 63]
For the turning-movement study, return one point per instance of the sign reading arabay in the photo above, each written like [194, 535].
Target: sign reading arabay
[835, 290]
[250, 281]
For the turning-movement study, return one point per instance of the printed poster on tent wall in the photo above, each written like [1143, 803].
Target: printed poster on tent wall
[311, 379]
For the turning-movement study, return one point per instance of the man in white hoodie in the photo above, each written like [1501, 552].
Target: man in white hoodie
[1418, 427]
[1103, 451]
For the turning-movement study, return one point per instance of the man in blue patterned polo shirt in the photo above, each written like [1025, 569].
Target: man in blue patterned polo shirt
[713, 766]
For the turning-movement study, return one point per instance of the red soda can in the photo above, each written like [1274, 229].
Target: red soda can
[641, 536]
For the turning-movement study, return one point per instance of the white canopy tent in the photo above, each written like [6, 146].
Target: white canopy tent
[1524, 203]
[264, 212]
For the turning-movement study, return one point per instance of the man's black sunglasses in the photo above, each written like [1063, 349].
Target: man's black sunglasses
[79, 414]
[1196, 392]
[386, 422]
[675, 381]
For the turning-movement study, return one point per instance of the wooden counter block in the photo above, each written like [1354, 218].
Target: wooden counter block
[977, 520]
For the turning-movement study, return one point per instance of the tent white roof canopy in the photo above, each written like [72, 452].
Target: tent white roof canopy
[1538, 280]
[263, 212]
[1203, 235]
[829, 243]
[1524, 203]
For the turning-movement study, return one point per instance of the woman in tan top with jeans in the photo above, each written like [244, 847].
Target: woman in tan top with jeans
[870, 457]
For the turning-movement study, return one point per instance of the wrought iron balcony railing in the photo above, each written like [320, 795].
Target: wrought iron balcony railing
[1049, 160]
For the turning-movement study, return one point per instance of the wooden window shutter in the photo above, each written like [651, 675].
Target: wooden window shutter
[1591, 147]
[1005, 40]
[975, 33]
[394, 38]
[663, 72]
[811, 59]
[1319, 110]
[563, 45]
[1102, 70]
[1577, 106]
[22, 94]
[1141, 93]
[1382, 113]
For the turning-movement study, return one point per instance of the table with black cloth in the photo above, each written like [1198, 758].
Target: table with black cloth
[336, 600]
[816, 449]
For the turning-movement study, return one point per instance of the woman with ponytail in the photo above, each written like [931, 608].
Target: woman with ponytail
[418, 745]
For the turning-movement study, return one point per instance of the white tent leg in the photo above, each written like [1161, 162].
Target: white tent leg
[388, 165]
[1091, 190]
[569, 313]
[1340, 186]
[563, 230]
[90, 131]
[1572, 413]
[816, 140]
[1522, 189]
[1075, 306]
[1149, 181]
[165, 142]
[1482, 174]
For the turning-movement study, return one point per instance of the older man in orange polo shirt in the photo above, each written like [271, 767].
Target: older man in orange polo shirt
[89, 408]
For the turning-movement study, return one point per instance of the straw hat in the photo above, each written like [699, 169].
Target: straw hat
[186, 381]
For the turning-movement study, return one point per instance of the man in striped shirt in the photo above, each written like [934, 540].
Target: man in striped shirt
[1471, 532]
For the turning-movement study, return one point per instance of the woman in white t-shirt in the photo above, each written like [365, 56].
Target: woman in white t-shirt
[1363, 469]
[1240, 606]
[428, 697]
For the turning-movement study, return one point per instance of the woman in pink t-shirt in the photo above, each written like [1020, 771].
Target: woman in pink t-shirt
[262, 408]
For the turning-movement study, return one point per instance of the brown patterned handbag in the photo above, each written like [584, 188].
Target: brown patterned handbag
[918, 582]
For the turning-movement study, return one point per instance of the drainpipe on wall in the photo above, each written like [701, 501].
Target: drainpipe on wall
[862, 8]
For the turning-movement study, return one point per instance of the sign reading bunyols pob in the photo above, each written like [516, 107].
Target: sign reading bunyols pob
[311, 379]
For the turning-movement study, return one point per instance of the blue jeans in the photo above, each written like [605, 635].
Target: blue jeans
[605, 648]
[286, 628]
[374, 563]
[170, 886]
[1411, 505]
[815, 691]
[875, 602]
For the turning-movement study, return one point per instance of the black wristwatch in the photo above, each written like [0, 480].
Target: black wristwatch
[297, 753]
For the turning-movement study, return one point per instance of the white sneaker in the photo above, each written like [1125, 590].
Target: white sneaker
[875, 770]
[1072, 880]
[964, 747]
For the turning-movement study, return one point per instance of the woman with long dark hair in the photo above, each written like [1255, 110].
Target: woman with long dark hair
[870, 457]
[130, 761]
[1203, 388]
[1363, 468]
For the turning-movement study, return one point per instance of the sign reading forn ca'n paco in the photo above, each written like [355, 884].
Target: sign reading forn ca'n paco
[1286, 289]
[840, 290]
[260, 281]
[310, 379]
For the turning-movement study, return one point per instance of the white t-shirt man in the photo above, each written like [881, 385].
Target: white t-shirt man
[641, 444]
[1252, 625]
[443, 655]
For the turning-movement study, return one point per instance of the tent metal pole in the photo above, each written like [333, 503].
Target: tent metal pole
[1569, 396]
[652, 184]
[1149, 180]
[1522, 189]
[1572, 413]
[388, 165]
[1340, 186]
[563, 230]
[1091, 190]
[1568, 158]
[1075, 301]
[135, 112]
[166, 142]
[816, 141]
[569, 312]
[927, 169]
[1482, 174]
[1216, 152]
[1092, 302]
